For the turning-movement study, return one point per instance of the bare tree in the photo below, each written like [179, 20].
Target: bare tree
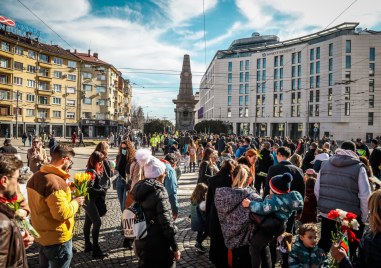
[137, 120]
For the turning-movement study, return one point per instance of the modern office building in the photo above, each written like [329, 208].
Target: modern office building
[326, 83]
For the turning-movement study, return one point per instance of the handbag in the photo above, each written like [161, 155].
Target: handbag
[100, 203]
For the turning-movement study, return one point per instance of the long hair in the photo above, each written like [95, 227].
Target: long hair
[296, 160]
[368, 168]
[95, 158]
[199, 193]
[227, 167]
[374, 205]
[207, 153]
[130, 150]
[241, 174]
[103, 148]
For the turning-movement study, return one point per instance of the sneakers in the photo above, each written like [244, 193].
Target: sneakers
[200, 248]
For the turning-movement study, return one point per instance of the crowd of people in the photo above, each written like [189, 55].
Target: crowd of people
[253, 196]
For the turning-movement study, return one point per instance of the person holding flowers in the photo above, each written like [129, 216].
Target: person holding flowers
[53, 209]
[369, 254]
[95, 204]
[342, 183]
[12, 243]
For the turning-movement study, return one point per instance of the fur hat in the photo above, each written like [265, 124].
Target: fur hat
[152, 166]
[281, 184]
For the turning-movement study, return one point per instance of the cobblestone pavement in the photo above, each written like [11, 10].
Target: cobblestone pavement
[111, 239]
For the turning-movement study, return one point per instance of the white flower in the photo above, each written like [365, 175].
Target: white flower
[355, 224]
[345, 223]
[342, 213]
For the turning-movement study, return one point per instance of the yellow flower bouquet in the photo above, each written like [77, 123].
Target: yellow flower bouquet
[80, 184]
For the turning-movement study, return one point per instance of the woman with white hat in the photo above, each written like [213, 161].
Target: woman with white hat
[159, 247]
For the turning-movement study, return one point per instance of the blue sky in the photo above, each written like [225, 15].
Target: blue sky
[141, 38]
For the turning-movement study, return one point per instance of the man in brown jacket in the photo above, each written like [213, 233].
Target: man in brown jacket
[12, 243]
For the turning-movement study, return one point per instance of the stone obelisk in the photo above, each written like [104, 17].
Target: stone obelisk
[185, 101]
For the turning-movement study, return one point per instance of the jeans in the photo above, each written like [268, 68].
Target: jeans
[121, 192]
[56, 256]
[92, 218]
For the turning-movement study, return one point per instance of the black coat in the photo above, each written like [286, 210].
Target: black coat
[266, 162]
[218, 252]
[8, 149]
[204, 173]
[308, 158]
[159, 245]
[375, 161]
[297, 183]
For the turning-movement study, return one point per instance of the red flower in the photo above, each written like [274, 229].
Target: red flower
[333, 214]
[350, 216]
[92, 175]
[351, 235]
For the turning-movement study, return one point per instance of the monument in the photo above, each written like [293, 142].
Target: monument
[185, 101]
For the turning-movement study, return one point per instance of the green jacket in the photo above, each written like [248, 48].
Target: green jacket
[301, 257]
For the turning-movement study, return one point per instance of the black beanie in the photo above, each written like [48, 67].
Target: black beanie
[281, 184]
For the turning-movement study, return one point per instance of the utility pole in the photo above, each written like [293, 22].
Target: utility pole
[17, 113]
[65, 95]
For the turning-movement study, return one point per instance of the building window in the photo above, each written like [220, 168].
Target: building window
[293, 71]
[317, 96]
[70, 90]
[31, 69]
[311, 110]
[70, 115]
[230, 77]
[258, 63]
[329, 109]
[43, 100]
[72, 64]
[330, 79]
[4, 63]
[229, 100]
[87, 75]
[298, 110]
[57, 74]
[258, 75]
[258, 100]
[247, 65]
[371, 85]
[348, 75]
[263, 75]
[347, 110]
[240, 112]
[293, 58]
[241, 65]
[281, 98]
[276, 99]
[329, 94]
[293, 111]
[43, 58]
[264, 63]
[293, 99]
[57, 88]
[275, 111]
[32, 54]
[246, 77]
[17, 81]
[258, 88]
[348, 46]
[281, 85]
[57, 61]
[87, 101]
[275, 86]
[240, 100]
[293, 84]
[276, 61]
[264, 87]
[318, 67]
[229, 89]
[246, 112]
[29, 112]
[330, 50]
[70, 102]
[30, 98]
[312, 54]
[281, 60]
[275, 73]
[57, 114]
[229, 112]
[371, 69]
[18, 65]
[312, 68]
[299, 57]
[30, 83]
[100, 89]
[370, 119]
[44, 72]
[71, 77]
[347, 93]
[280, 111]
[318, 53]
[348, 62]
[241, 77]
[246, 100]
[311, 96]
[371, 101]
[299, 83]
[299, 70]
[56, 100]
[18, 50]
[311, 82]
[230, 66]
[299, 97]
[241, 90]
[19, 96]
[372, 54]
[246, 88]
[330, 64]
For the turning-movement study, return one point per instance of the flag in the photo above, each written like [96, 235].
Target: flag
[344, 244]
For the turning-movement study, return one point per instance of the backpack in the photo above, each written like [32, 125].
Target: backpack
[134, 222]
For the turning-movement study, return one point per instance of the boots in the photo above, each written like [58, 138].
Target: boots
[88, 246]
[98, 254]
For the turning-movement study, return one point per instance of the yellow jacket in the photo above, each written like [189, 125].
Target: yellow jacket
[52, 210]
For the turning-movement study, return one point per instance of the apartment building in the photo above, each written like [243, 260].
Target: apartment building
[36, 80]
[326, 83]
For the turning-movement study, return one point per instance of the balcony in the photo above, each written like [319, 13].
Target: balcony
[44, 64]
[43, 77]
[43, 120]
[6, 70]
[45, 92]
[5, 85]
[6, 53]
[43, 105]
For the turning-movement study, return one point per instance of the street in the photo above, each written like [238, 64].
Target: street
[111, 239]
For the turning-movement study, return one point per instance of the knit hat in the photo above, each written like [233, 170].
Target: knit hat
[281, 184]
[153, 168]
